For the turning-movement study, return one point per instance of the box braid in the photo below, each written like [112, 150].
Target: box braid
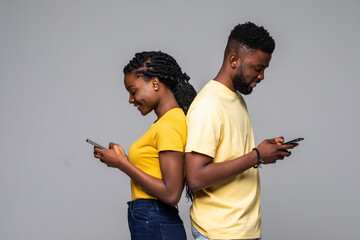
[165, 68]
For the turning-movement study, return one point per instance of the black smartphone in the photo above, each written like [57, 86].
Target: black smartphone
[293, 141]
[95, 144]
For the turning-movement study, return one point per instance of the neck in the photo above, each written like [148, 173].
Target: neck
[225, 78]
[166, 103]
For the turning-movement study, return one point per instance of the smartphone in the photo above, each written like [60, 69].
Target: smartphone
[95, 144]
[293, 141]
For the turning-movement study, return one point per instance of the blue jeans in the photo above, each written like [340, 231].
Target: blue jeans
[155, 220]
[199, 236]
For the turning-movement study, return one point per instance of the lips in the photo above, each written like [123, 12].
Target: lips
[137, 106]
[254, 84]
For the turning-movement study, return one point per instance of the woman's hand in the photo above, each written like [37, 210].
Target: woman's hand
[113, 157]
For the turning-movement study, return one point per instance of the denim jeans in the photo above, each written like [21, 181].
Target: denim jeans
[199, 236]
[155, 220]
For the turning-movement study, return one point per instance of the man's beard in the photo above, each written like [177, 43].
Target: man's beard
[240, 85]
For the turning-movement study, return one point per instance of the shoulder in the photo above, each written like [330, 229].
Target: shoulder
[203, 106]
[174, 116]
[171, 131]
[173, 120]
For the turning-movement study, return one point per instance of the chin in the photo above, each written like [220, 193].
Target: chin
[247, 91]
[144, 113]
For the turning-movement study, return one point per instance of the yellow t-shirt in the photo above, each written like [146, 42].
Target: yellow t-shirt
[219, 126]
[167, 134]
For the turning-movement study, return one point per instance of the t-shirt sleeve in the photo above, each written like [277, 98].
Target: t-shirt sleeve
[204, 128]
[171, 137]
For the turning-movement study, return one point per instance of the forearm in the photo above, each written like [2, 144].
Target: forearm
[207, 175]
[154, 186]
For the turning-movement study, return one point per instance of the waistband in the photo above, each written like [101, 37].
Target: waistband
[151, 204]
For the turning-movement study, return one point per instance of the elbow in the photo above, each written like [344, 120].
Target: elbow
[172, 199]
[193, 183]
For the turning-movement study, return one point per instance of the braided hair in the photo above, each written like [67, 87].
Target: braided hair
[164, 67]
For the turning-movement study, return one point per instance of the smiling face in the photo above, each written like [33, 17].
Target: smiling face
[142, 93]
[250, 71]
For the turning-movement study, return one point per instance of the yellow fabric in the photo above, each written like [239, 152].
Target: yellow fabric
[167, 134]
[219, 126]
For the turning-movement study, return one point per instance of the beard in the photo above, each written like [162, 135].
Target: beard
[240, 85]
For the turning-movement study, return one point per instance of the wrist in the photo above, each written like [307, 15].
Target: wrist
[126, 166]
[259, 161]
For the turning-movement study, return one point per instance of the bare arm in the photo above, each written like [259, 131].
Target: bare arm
[168, 189]
[202, 172]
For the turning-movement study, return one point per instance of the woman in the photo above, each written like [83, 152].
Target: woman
[155, 163]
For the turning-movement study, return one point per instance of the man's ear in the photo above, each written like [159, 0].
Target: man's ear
[234, 60]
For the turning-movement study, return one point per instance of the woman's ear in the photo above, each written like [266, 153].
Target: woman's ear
[155, 83]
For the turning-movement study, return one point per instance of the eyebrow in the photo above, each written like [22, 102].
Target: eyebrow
[130, 87]
[262, 66]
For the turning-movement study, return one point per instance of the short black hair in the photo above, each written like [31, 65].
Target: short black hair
[251, 36]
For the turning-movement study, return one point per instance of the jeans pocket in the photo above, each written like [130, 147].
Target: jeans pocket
[140, 215]
[172, 231]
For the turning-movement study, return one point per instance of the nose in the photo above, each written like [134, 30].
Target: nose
[131, 99]
[261, 75]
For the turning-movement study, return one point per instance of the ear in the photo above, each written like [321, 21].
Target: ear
[234, 60]
[154, 81]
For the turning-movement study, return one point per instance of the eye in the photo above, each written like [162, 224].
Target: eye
[132, 92]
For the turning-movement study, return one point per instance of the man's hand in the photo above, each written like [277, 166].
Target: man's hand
[272, 150]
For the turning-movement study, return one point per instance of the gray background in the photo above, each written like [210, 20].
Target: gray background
[61, 82]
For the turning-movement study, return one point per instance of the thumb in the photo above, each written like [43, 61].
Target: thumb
[119, 150]
[279, 140]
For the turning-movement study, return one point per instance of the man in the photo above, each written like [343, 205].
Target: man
[221, 158]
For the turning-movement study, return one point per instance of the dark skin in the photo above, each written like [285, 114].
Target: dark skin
[201, 171]
[148, 96]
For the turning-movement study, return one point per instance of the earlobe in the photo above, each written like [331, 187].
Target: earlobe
[155, 83]
[234, 60]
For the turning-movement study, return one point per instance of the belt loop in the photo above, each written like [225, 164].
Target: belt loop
[156, 205]
[130, 203]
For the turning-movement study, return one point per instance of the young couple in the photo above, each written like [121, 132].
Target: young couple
[212, 129]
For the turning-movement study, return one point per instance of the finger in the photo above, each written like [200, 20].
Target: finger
[285, 153]
[99, 150]
[279, 140]
[101, 158]
[286, 146]
[97, 155]
[290, 146]
[111, 145]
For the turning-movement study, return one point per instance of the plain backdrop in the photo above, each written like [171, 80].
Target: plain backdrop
[61, 82]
